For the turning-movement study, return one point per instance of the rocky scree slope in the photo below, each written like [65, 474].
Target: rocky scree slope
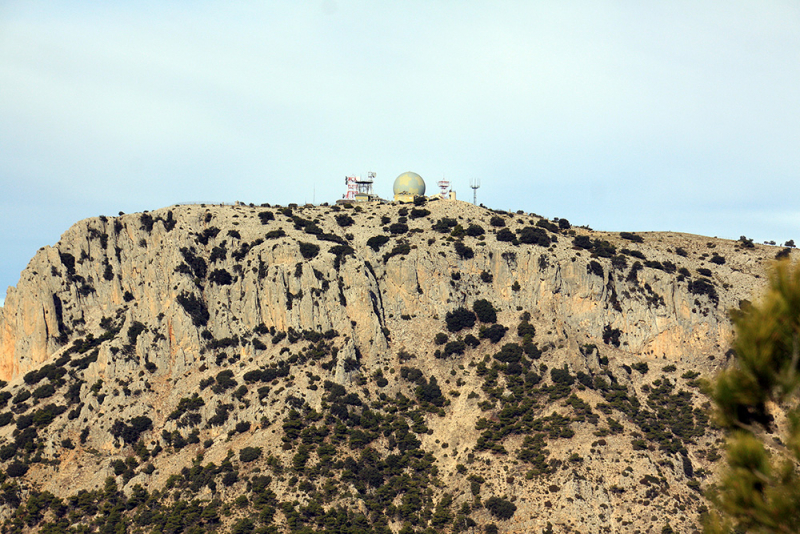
[386, 368]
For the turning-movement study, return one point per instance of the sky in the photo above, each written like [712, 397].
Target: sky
[620, 115]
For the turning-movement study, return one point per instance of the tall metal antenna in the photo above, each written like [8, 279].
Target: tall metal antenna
[475, 183]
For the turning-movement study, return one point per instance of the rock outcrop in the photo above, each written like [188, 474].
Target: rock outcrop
[155, 306]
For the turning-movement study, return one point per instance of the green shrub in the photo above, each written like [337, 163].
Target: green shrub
[459, 319]
[611, 335]
[344, 220]
[594, 267]
[631, 237]
[471, 340]
[473, 230]
[509, 353]
[419, 213]
[463, 251]
[444, 225]
[195, 308]
[534, 236]
[130, 432]
[401, 249]
[16, 469]
[500, 508]
[249, 454]
[454, 347]
[220, 277]
[44, 391]
[398, 228]
[494, 333]
[440, 338]
[497, 221]
[484, 311]
[308, 250]
[376, 242]
[506, 235]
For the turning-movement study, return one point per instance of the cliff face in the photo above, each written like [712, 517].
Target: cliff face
[152, 306]
[98, 261]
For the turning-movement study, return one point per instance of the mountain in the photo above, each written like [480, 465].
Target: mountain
[438, 367]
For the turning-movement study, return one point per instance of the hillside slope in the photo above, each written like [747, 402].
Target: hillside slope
[321, 368]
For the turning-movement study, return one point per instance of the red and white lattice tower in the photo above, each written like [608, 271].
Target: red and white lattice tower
[352, 187]
[444, 188]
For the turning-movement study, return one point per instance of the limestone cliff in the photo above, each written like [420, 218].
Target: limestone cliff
[154, 307]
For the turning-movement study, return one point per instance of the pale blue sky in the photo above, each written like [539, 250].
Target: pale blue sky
[680, 116]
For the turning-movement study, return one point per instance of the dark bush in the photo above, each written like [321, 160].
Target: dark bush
[562, 376]
[398, 228]
[702, 286]
[497, 221]
[631, 237]
[242, 426]
[459, 319]
[253, 376]
[195, 308]
[444, 225]
[275, 234]
[563, 224]
[419, 213]
[500, 508]
[594, 267]
[68, 260]
[463, 251]
[308, 250]
[534, 236]
[473, 230]
[582, 241]
[224, 381]
[130, 432]
[510, 353]
[471, 340]
[484, 311]
[681, 252]
[440, 338]
[704, 272]
[526, 329]
[16, 469]
[44, 391]
[611, 335]
[134, 330]
[455, 347]
[376, 242]
[248, 454]
[494, 333]
[401, 249]
[220, 277]
[544, 223]
[717, 259]
[506, 235]
[344, 220]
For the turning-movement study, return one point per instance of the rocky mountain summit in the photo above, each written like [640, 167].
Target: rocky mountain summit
[435, 367]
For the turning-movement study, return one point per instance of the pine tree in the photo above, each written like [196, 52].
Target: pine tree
[760, 489]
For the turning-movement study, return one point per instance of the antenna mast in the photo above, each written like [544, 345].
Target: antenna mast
[475, 183]
[444, 187]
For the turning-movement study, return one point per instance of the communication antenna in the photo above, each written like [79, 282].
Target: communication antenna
[475, 183]
[444, 187]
